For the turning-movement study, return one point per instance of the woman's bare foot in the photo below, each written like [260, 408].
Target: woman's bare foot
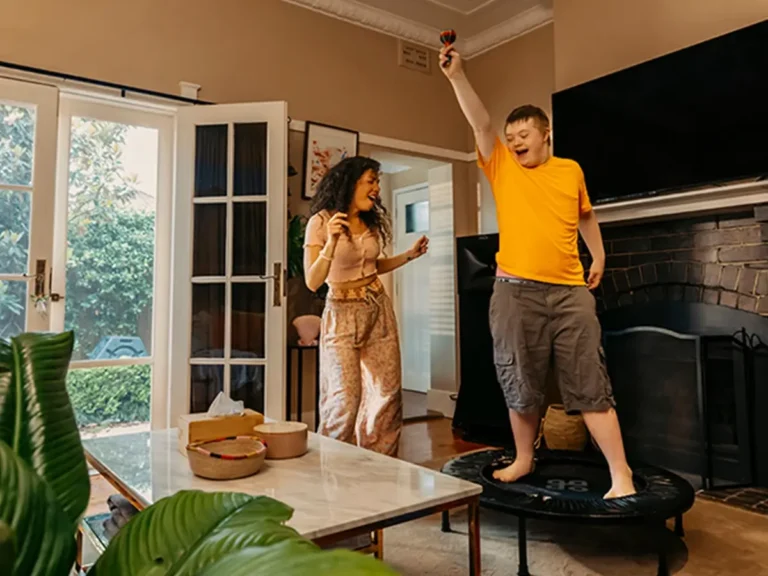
[512, 473]
[621, 485]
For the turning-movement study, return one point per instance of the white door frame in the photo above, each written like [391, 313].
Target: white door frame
[161, 119]
[276, 114]
[44, 99]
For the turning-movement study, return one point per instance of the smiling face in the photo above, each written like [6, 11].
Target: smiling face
[528, 141]
[366, 192]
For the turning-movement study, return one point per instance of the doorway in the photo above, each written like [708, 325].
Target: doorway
[411, 221]
[406, 191]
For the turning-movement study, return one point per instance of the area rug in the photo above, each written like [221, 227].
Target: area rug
[751, 499]
[420, 548]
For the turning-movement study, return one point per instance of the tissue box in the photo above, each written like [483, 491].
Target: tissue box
[197, 427]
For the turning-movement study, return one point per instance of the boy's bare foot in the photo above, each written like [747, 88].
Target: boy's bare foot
[621, 485]
[512, 473]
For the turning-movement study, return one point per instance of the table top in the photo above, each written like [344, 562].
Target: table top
[333, 488]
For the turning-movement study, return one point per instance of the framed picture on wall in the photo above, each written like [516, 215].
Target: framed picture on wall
[324, 147]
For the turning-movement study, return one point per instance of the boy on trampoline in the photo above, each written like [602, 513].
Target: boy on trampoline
[541, 304]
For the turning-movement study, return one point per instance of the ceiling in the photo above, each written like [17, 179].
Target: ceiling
[480, 25]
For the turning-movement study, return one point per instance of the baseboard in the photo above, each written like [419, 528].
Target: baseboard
[441, 401]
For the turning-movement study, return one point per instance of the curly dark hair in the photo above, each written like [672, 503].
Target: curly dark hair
[337, 188]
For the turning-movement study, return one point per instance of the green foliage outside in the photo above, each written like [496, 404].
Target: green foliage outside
[110, 257]
[110, 395]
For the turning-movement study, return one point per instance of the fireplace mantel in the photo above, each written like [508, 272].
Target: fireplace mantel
[704, 200]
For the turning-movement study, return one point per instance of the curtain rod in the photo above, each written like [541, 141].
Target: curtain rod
[122, 88]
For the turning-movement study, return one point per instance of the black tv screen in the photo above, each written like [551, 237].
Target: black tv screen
[691, 118]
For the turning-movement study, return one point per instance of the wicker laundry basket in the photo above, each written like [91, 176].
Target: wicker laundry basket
[562, 431]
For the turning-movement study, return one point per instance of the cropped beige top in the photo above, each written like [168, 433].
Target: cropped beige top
[354, 258]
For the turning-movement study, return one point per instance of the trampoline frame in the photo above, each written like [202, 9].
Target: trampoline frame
[656, 523]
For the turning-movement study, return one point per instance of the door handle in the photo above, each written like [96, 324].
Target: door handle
[277, 285]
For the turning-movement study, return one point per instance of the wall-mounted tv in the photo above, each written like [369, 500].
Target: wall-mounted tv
[685, 120]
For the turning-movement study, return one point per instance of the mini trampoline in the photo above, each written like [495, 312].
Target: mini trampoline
[569, 487]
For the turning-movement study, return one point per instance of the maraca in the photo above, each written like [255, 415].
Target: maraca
[447, 37]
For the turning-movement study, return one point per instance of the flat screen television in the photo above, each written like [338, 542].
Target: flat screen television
[692, 118]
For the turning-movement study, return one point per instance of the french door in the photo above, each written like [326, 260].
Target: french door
[228, 258]
[27, 167]
[111, 259]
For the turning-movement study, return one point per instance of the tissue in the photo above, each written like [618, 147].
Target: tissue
[223, 405]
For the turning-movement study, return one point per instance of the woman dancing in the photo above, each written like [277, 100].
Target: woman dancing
[360, 378]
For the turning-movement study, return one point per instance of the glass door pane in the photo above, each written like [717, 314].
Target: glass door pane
[112, 200]
[15, 218]
[229, 264]
[27, 160]
[17, 144]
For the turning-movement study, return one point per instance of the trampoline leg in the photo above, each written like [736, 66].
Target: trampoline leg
[522, 542]
[660, 532]
[446, 527]
[679, 530]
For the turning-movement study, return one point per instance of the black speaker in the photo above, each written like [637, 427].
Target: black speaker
[481, 414]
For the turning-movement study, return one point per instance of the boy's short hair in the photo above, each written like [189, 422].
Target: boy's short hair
[529, 111]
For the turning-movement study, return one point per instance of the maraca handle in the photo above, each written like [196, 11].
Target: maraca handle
[447, 37]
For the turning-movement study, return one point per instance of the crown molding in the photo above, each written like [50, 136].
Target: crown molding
[374, 19]
[387, 23]
[507, 30]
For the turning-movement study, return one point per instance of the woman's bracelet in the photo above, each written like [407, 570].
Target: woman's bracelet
[324, 257]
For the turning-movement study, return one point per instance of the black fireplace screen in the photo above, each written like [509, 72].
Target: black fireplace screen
[656, 379]
[684, 402]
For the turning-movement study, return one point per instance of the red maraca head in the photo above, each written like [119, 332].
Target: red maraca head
[448, 37]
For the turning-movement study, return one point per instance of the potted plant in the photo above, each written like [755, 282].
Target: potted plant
[45, 489]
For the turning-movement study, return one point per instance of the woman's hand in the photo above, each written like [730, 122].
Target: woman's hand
[336, 225]
[419, 248]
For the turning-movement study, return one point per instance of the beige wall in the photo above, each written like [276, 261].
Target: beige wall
[519, 72]
[597, 37]
[239, 50]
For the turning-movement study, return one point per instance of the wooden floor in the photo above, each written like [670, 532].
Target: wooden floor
[415, 407]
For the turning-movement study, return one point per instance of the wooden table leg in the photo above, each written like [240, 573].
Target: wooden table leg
[473, 513]
[378, 539]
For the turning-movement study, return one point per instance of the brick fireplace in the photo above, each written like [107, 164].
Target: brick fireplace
[684, 308]
[719, 259]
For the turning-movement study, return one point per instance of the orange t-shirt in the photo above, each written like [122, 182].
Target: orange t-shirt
[538, 211]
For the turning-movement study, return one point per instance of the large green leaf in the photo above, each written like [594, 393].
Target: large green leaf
[190, 530]
[7, 395]
[37, 420]
[40, 532]
[7, 549]
[295, 559]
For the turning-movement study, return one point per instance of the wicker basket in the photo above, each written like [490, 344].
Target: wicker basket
[227, 458]
[562, 431]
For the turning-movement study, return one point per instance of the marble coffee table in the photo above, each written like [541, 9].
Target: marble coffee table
[338, 491]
